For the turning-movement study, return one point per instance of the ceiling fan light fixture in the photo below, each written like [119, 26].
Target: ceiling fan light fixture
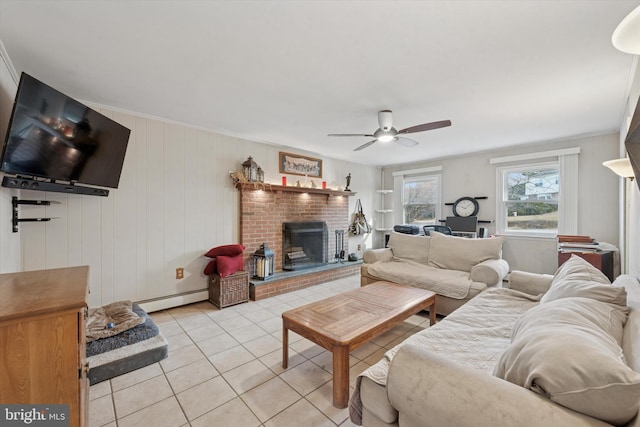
[626, 36]
[386, 138]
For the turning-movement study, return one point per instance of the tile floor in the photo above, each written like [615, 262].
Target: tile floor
[225, 369]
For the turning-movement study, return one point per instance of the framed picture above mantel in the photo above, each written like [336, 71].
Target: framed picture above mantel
[297, 164]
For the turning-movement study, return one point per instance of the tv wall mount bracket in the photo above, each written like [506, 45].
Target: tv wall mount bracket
[15, 202]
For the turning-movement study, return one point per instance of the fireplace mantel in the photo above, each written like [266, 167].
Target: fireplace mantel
[243, 186]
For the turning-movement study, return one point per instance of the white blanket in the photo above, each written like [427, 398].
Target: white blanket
[450, 283]
[474, 335]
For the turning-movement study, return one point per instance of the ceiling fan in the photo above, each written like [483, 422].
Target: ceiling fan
[386, 132]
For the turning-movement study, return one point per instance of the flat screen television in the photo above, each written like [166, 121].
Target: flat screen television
[52, 137]
[632, 143]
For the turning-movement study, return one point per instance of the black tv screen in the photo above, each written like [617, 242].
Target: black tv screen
[53, 136]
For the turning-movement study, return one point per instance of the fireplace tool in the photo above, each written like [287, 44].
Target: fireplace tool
[339, 246]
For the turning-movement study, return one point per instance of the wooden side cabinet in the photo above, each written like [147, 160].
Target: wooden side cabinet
[603, 261]
[43, 339]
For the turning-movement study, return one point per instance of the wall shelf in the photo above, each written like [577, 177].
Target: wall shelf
[15, 202]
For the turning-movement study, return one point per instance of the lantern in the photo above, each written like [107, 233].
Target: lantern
[260, 174]
[250, 169]
[263, 263]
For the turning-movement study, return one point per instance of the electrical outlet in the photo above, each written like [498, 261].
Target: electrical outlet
[359, 247]
[179, 273]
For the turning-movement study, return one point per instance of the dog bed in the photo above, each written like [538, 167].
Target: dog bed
[126, 351]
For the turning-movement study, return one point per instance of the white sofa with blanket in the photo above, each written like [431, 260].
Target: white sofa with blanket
[560, 350]
[455, 268]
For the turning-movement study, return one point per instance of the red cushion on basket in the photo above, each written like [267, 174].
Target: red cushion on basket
[211, 267]
[225, 250]
[228, 265]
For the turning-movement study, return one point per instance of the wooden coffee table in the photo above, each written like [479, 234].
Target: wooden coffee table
[345, 321]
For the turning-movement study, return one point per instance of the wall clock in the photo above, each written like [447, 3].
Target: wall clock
[466, 206]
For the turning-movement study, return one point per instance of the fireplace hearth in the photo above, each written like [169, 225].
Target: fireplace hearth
[304, 245]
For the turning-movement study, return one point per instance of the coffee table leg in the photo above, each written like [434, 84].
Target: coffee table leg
[432, 314]
[285, 346]
[340, 376]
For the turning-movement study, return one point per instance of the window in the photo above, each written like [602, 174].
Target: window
[421, 200]
[529, 202]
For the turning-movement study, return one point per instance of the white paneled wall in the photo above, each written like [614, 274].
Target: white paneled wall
[175, 201]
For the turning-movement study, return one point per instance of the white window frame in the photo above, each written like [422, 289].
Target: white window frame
[567, 159]
[501, 208]
[430, 177]
[398, 187]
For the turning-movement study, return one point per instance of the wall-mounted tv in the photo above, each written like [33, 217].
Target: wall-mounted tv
[52, 137]
[632, 143]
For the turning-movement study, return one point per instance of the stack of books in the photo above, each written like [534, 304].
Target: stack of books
[584, 244]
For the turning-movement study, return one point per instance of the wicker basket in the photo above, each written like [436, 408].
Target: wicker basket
[225, 291]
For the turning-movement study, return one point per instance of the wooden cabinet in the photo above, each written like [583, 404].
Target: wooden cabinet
[603, 261]
[43, 340]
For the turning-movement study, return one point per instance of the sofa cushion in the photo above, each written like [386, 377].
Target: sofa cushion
[460, 253]
[406, 246]
[576, 268]
[577, 278]
[568, 350]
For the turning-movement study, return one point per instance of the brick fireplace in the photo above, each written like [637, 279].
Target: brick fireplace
[262, 213]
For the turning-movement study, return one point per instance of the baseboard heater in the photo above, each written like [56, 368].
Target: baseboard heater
[170, 301]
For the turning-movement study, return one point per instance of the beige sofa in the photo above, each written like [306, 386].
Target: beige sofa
[517, 357]
[455, 268]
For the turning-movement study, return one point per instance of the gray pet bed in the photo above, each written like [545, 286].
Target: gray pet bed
[127, 351]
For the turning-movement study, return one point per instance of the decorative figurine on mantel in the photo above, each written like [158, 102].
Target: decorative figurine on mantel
[348, 182]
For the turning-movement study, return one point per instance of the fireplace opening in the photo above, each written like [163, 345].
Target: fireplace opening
[304, 244]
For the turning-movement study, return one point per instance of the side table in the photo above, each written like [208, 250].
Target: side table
[229, 290]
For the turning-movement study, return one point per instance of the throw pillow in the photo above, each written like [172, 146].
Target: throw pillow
[228, 265]
[211, 267]
[564, 350]
[576, 268]
[461, 253]
[411, 247]
[577, 278]
[225, 250]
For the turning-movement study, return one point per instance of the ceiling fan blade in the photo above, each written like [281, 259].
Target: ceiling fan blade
[406, 142]
[426, 126]
[363, 146]
[350, 134]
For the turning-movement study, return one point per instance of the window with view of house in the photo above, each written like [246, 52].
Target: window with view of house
[421, 200]
[530, 199]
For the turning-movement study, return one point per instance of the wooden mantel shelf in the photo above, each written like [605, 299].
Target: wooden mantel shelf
[270, 187]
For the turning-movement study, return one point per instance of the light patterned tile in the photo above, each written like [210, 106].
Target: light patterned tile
[209, 331]
[166, 413]
[191, 375]
[135, 377]
[204, 397]
[179, 340]
[141, 395]
[273, 360]
[322, 399]
[101, 411]
[269, 398]
[247, 333]
[98, 390]
[171, 328]
[301, 410]
[196, 321]
[217, 344]
[263, 345]
[234, 323]
[232, 413]
[232, 358]
[181, 357]
[248, 376]
[306, 377]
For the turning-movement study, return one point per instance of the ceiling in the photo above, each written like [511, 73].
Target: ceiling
[290, 72]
